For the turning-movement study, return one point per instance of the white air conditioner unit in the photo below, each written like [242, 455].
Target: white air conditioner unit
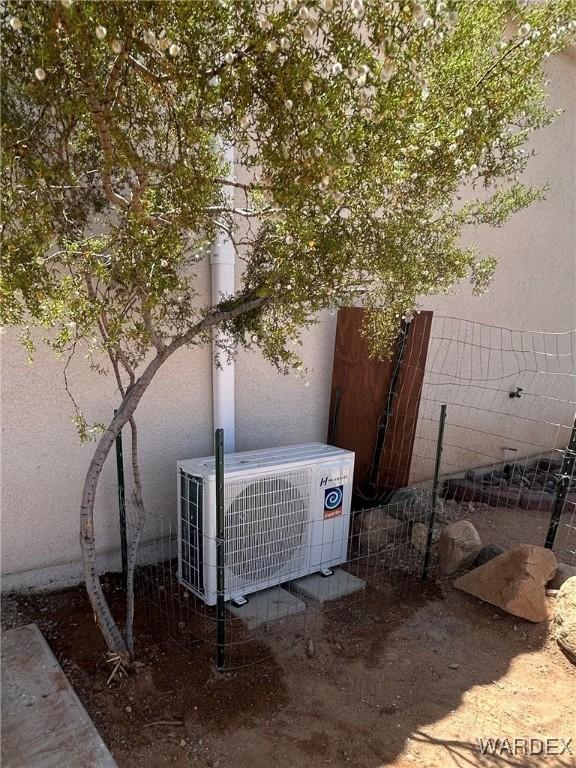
[286, 514]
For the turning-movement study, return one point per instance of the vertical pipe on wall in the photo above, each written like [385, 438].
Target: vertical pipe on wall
[222, 264]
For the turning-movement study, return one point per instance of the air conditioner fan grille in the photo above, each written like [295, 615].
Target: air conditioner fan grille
[266, 526]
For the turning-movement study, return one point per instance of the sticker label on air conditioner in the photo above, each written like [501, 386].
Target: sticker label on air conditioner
[333, 501]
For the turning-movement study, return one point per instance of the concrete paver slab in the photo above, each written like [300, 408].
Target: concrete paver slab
[44, 724]
[268, 605]
[323, 588]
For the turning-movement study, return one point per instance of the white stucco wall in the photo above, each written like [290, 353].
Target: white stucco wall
[534, 290]
[535, 285]
[43, 466]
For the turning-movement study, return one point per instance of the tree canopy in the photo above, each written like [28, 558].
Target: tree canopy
[354, 124]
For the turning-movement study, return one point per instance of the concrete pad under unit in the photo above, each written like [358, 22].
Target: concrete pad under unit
[323, 588]
[44, 725]
[265, 606]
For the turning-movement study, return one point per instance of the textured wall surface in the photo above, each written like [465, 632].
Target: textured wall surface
[534, 290]
[535, 284]
[43, 466]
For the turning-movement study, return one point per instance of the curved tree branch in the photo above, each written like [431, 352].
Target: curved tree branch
[112, 635]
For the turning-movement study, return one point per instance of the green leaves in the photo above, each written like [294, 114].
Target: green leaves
[355, 125]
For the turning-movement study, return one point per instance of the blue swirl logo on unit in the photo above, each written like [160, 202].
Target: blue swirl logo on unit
[333, 501]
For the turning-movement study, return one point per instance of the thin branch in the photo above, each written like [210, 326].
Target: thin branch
[116, 369]
[102, 321]
[214, 318]
[34, 127]
[116, 70]
[239, 55]
[497, 63]
[98, 115]
[114, 639]
[139, 191]
[148, 74]
[238, 184]
[106, 143]
[154, 338]
[65, 375]
[240, 211]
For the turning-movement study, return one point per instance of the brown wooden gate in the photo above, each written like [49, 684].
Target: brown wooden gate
[374, 403]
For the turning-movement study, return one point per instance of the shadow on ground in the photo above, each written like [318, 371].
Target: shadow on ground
[401, 682]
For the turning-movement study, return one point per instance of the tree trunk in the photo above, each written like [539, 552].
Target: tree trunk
[131, 565]
[112, 635]
[108, 626]
[136, 536]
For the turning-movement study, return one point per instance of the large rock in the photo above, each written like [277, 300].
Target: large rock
[514, 581]
[458, 546]
[419, 537]
[375, 530]
[563, 573]
[489, 552]
[565, 617]
[413, 505]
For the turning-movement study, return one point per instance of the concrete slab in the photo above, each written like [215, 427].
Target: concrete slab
[268, 605]
[323, 588]
[44, 725]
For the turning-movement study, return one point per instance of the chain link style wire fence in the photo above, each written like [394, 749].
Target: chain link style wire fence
[505, 462]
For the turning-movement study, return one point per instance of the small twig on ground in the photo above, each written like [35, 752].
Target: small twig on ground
[164, 722]
[310, 648]
[119, 660]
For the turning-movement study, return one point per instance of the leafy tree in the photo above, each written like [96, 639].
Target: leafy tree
[355, 124]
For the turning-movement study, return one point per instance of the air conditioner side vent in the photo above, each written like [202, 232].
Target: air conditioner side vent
[192, 531]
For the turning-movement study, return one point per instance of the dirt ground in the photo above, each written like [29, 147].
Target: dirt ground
[410, 682]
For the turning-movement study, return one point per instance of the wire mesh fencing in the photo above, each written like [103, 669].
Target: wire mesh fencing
[510, 398]
[287, 574]
[504, 461]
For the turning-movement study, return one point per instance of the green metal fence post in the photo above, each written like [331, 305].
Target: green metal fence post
[220, 551]
[562, 485]
[432, 516]
[121, 504]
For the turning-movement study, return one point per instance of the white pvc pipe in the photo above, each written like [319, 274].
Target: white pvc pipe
[222, 263]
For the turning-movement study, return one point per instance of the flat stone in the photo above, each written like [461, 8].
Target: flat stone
[464, 490]
[458, 546]
[44, 725]
[321, 589]
[536, 498]
[563, 573]
[546, 501]
[548, 465]
[412, 504]
[565, 617]
[514, 581]
[265, 606]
